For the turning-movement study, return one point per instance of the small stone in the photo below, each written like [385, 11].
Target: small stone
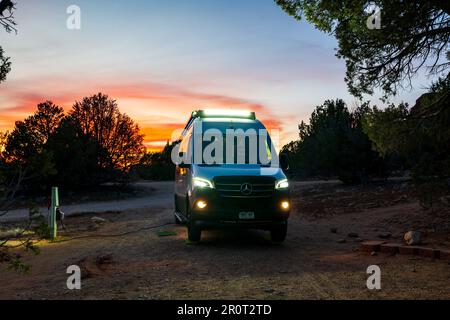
[413, 238]
[373, 254]
[333, 230]
[98, 220]
[353, 235]
[341, 241]
[269, 290]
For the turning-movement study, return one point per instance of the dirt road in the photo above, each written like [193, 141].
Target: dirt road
[161, 195]
[311, 264]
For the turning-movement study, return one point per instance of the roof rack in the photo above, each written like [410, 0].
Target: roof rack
[215, 113]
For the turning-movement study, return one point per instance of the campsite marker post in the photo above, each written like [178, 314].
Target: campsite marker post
[53, 208]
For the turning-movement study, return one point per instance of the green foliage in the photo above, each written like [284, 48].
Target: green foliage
[441, 85]
[421, 135]
[412, 35]
[334, 144]
[387, 128]
[17, 264]
[39, 225]
[31, 247]
[37, 228]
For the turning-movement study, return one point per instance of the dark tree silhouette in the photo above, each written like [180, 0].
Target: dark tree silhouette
[413, 34]
[6, 5]
[8, 185]
[421, 134]
[7, 15]
[28, 138]
[157, 165]
[25, 151]
[75, 156]
[334, 144]
[100, 118]
[8, 23]
[5, 66]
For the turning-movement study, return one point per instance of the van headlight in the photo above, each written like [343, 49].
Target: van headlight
[282, 184]
[202, 183]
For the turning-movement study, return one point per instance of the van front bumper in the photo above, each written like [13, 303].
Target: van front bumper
[243, 212]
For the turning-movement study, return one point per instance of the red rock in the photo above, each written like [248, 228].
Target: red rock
[428, 252]
[371, 246]
[444, 254]
[390, 248]
[411, 250]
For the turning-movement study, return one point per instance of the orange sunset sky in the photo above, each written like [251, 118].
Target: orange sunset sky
[162, 59]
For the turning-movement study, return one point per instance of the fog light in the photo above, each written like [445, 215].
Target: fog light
[201, 204]
[285, 205]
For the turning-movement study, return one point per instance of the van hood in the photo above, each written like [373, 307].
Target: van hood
[210, 172]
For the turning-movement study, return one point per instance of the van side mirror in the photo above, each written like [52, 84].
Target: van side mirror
[183, 165]
[284, 162]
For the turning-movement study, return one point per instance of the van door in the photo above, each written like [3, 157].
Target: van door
[183, 174]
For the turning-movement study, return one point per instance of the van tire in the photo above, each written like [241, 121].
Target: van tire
[194, 233]
[278, 233]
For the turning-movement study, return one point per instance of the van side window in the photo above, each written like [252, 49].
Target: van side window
[186, 144]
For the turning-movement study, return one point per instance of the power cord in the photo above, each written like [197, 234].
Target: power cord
[115, 235]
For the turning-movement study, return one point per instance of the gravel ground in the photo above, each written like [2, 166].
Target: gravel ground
[313, 263]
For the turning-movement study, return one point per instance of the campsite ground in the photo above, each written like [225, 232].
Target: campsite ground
[120, 262]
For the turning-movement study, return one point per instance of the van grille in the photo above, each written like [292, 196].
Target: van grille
[238, 186]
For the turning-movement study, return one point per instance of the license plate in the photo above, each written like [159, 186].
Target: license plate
[246, 215]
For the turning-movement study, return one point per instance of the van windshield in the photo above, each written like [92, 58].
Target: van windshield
[220, 143]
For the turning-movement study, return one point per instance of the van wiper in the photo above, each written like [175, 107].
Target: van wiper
[266, 165]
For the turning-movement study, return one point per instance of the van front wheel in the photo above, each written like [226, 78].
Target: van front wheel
[194, 233]
[278, 233]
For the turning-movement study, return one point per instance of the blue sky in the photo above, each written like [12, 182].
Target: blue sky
[162, 59]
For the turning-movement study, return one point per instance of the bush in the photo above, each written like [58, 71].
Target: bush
[334, 144]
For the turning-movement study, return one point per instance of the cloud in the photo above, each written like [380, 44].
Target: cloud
[158, 108]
